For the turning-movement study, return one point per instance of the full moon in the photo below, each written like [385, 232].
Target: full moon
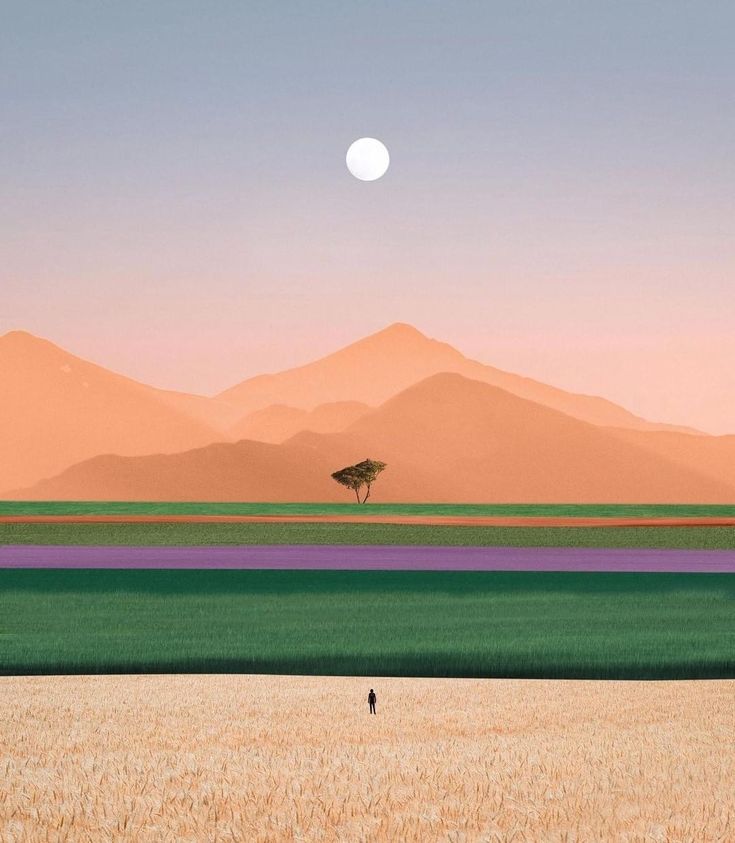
[367, 159]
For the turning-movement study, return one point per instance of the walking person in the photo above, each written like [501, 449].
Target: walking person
[372, 699]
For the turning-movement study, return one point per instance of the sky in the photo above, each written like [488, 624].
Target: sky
[174, 201]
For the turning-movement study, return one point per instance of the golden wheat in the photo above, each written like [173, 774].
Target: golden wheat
[280, 758]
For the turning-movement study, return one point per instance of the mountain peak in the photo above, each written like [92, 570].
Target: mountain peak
[396, 335]
[399, 336]
[20, 338]
[402, 329]
[28, 346]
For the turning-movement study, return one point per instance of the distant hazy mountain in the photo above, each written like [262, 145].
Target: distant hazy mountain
[446, 438]
[713, 456]
[56, 409]
[280, 422]
[379, 366]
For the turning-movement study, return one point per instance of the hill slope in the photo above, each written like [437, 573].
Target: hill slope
[713, 456]
[58, 409]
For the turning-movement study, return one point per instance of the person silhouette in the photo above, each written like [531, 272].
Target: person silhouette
[372, 699]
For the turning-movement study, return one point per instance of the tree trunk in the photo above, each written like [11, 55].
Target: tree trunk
[367, 494]
[357, 495]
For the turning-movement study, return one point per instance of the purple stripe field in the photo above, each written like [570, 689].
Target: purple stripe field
[364, 557]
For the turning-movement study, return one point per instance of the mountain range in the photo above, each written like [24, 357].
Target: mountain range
[450, 429]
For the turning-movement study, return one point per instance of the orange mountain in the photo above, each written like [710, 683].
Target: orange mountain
[225, 472]
[279, 422]
[446, 438]
[58, 409]
[713, 456]
[377, 367]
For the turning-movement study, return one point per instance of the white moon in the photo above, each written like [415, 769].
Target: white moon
[367, 159]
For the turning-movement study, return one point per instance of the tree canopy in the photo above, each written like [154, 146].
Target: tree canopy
[356, 476]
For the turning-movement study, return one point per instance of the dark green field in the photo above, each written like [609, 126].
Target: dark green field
[368, 623]
[427, 509]
[180, 534]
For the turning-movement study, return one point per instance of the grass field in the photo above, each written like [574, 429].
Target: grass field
[566, 625]
[181, 534]
[186, 759]
[273, 509]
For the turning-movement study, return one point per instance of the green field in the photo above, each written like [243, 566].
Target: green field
[179, 534]
[507, 510]
[368, 623]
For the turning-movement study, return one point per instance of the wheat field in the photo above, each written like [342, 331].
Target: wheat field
[285, 758]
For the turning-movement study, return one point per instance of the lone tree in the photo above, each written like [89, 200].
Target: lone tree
[356, 476]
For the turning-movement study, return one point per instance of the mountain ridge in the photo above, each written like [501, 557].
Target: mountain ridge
[59, 409]
[445, 439]
[385, 362]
